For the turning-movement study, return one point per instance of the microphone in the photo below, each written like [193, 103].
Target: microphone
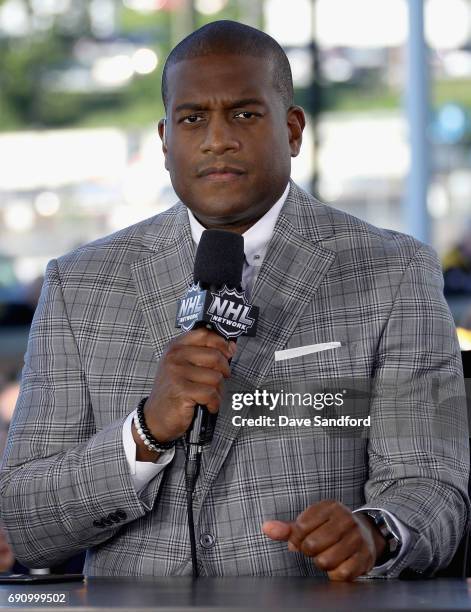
[218, 263]
[215, 298]
[219, 260]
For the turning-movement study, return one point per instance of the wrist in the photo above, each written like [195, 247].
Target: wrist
[158, 432]
[149, 448]
[142, 452]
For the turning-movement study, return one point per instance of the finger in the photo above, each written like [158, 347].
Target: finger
[202, 357]
[308, 521]
[323, 537]
[316, 515]
[350, 569]
[6, 561]
[330, 558]
[277, 530]
[206, 376]
[206, 337]
[204, 395]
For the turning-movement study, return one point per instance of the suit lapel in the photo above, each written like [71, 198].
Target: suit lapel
[163, 276]
[292, 270]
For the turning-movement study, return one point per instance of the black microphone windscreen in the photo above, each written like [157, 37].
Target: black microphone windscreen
[219, 259]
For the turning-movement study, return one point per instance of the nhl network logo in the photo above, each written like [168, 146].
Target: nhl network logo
[191, 307]
[229, 312]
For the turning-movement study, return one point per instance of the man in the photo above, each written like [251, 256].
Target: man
[77, 473]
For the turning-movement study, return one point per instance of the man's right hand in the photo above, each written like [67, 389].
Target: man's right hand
[191, 371]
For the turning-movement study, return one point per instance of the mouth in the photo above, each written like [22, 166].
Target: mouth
[221, 173]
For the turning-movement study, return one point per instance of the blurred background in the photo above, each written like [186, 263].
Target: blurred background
[386, 85]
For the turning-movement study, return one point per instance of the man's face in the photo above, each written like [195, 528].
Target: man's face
[229, 139]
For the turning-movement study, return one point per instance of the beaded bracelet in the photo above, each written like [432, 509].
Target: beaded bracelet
[144, 433]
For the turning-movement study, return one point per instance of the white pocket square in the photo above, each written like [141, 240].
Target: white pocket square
[299, 351]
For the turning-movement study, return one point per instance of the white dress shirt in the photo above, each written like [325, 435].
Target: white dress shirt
[256, 240]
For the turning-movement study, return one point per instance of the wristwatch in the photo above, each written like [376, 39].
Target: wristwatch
[390, 533]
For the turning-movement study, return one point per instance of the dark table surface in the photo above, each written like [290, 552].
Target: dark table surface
[247, 593]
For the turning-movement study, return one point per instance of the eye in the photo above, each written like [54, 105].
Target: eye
[191, 119]
[247, 114]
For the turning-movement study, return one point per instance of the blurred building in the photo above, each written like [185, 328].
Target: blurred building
[80, 101]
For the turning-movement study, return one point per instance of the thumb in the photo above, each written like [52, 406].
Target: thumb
[277, 530]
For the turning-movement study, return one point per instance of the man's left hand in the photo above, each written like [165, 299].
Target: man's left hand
[344, 544]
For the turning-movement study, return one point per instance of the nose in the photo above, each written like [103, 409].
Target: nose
[219, 136]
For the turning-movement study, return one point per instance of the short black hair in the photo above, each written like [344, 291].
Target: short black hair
[232, 37]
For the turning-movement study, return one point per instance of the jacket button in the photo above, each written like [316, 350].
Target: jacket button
[207, 540]
[121, 514]
[114, 517]
[107, 522]
[98, 524]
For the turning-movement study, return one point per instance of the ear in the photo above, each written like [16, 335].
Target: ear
[296, 122]
[162, 129]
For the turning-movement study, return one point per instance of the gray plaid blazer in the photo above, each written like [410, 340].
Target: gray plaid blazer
[106, 314]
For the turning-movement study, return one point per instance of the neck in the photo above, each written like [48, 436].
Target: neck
[236, 228]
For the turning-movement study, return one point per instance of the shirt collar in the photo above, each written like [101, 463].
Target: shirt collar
[256, 238]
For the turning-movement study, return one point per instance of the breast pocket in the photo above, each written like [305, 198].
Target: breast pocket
[304, 363]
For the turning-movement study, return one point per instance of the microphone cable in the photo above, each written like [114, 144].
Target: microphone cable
[198, 435]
